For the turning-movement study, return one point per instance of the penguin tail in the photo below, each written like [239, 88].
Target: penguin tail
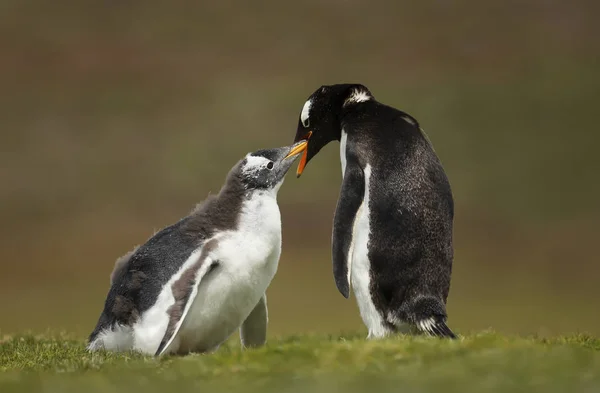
[428, 314]
[435, 327]
[113, 338]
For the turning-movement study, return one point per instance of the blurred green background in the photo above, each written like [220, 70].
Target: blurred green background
[118, 117]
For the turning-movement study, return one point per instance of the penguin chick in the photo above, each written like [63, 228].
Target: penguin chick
[392, 230]
[192, 284]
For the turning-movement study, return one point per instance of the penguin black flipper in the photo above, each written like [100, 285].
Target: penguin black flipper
[350, 201]
[185, 291]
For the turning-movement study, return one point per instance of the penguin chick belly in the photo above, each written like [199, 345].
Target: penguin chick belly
[360, 267]
[225, 298]
[247, 261]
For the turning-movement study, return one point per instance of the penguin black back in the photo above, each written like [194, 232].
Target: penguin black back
[412, 204]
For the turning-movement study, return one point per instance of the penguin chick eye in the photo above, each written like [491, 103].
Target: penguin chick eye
[270, 165]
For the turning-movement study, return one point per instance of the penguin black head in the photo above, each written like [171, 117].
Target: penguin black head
[319, 121]
[266, 169]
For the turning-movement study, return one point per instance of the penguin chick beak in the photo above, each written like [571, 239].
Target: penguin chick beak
[287, 156]
[299, 147]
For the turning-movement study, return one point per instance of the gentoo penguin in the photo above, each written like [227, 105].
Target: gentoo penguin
[392, 229]
[192, 284]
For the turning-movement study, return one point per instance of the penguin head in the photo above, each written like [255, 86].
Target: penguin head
[319, 121]
[266, 169]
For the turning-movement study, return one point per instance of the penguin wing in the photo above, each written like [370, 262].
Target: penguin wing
[349, 202]
[185, 289]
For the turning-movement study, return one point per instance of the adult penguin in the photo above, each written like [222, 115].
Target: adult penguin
[392, 230]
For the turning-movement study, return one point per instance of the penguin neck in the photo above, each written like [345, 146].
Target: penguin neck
[218, 212]
[260, 214]
[223, 211]
[352, 114]
[266, 194]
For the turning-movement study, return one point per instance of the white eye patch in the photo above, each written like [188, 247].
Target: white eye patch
[255, 163]
[305, 113]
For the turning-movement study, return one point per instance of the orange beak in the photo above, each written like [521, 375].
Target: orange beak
[302, 146]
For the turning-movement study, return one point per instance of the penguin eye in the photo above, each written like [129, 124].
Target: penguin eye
[306, 123]
[270, 165]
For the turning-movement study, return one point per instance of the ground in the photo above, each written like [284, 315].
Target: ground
[485, 362]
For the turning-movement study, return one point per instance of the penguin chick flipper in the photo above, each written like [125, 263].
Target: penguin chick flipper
[349, 203]
[184, 291]
[253, 331]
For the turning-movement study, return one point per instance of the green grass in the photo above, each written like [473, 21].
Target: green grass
[485, 362]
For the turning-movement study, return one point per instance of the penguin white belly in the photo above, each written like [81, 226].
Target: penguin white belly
[247, 262]
[360, 267]
[226, 297]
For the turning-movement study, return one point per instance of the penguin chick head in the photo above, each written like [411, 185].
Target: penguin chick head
[266, 169]
[320, 118]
